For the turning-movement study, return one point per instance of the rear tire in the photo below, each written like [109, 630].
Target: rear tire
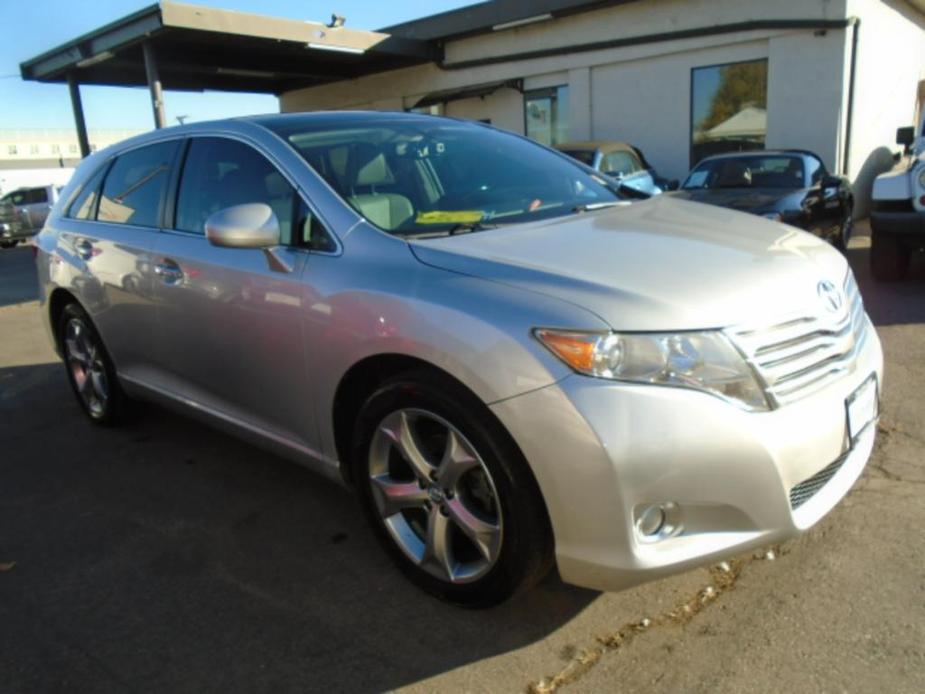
[90, 370]
[8, 244]
[448, 494]
[889, 258]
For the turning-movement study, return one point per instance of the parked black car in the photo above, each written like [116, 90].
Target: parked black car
[791, 186]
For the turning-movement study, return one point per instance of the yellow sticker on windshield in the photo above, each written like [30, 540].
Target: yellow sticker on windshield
[449, 217]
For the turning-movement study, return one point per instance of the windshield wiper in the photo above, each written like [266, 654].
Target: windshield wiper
[465, 227]
[591, 206]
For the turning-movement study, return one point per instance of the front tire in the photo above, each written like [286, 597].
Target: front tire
[448, 493]
[90, 369]
[889, 258]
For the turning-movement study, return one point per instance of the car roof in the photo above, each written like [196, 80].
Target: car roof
[762, 153]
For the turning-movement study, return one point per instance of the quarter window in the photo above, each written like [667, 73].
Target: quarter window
[134, 189]
[728, 108]
[84, 205]
[221, 173]
[546, 115]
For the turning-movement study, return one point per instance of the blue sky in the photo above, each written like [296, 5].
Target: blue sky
[35, 26]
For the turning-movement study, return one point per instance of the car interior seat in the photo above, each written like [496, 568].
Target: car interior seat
[734, 174]
[369, 173]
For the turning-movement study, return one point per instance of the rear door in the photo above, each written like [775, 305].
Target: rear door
[108, 233]
[229, 335]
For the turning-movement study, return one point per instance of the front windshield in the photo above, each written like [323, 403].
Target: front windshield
[768, 171]
[426, 175]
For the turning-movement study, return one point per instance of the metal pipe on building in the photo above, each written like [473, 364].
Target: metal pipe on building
[77, 106]
[154, 85]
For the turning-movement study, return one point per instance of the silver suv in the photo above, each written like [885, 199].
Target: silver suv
[511, 365]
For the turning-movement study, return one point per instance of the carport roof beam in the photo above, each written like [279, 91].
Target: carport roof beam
[201, 48]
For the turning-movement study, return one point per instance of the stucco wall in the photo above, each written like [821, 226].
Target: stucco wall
[890, 63]
[642, 93]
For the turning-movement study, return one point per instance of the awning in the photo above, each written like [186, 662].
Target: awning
[468, 92]
[199, 48]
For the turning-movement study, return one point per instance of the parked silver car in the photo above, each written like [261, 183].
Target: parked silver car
[23, 212]
[511, 365]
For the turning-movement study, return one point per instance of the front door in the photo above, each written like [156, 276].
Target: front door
[230, 321]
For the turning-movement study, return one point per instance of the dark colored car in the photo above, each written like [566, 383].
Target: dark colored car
[790, 186]
[622, 162]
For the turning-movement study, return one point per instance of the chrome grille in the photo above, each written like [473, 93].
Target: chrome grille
[802, 353]
[805, 490]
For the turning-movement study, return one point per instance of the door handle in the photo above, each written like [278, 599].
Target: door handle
[168, 271]
[84, 248]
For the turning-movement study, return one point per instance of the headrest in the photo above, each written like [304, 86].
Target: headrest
[369, 166]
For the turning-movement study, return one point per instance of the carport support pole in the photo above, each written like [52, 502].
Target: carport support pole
[78, 109]
[154, 84]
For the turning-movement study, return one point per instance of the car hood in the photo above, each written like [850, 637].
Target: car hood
[754, 200]
[661, 264]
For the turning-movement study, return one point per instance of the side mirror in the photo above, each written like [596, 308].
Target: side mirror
[905, 136]
[244, 226]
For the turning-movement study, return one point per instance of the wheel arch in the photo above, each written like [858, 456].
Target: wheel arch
[57, 300]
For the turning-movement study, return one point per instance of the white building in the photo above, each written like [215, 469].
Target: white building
[833, 76]
[31, 147]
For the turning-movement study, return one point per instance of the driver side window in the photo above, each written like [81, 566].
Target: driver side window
[220, 173]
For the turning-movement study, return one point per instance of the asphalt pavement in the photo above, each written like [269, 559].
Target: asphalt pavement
[165, 556]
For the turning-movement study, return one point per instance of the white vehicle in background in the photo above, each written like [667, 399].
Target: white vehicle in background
[23, 212]
[897, 218]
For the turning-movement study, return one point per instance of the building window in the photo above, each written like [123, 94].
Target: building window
[728, 108]
[72, 149]
[546, 115]
[56, 149]
[12, 149]
[33, 149]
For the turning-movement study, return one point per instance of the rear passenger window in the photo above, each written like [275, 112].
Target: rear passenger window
[221, 173]
[136, 184]
[84, 205]
[36, 196]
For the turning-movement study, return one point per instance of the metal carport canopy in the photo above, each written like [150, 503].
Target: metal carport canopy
[188, 47]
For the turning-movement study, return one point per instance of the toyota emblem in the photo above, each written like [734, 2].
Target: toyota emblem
[831, 297]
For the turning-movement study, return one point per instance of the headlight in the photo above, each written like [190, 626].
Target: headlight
[704, 361]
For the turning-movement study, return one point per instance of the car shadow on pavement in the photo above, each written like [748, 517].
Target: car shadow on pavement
[891, 303]
[165, 555]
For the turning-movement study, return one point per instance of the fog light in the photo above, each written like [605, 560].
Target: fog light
[651, 520]
[656, 522]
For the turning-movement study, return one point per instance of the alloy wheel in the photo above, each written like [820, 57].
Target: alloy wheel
[85, 361]
[435, 495]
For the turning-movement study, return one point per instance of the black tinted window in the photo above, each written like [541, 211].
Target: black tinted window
[135, 186]
[84, 205]
[37, 195]
[221, 173]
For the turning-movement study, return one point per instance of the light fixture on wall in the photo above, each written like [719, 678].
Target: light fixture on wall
[337, 49]
[522, 22]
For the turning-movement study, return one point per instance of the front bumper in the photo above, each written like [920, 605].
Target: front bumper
[602, 450]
